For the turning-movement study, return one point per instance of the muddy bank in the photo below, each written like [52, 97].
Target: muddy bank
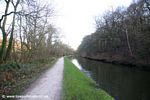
[126, 61]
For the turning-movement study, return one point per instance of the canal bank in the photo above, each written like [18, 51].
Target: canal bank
[77, 86]
[121, 82]
[125, 61]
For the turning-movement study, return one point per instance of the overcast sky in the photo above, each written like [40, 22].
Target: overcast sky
[75, 18]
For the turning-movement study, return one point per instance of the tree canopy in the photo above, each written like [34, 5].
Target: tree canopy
[122, 33]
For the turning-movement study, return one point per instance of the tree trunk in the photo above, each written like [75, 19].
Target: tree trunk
[10, 39]
[4, 41]
[128, 43]
[12, 31]
[3, 47]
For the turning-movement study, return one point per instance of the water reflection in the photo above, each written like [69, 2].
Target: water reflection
[74, 61]
[88, 73]
[123, 83]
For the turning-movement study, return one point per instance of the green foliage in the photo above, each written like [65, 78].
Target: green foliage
[15, 77]
[77, 86]
[9, 66]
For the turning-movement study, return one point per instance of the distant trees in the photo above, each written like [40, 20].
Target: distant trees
[27, 33]
[121, 32]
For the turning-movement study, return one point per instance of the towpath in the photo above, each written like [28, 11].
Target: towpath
[48, 86]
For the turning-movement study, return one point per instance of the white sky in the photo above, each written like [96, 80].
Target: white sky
[76, 17]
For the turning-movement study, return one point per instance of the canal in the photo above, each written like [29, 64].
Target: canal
[121, 82]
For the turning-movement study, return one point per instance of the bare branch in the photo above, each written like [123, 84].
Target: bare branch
[5, 16]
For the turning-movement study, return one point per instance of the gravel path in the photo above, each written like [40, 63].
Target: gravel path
[48, 86]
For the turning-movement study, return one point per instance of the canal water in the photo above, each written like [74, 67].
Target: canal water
[121, 82]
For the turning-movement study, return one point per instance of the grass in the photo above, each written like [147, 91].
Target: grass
[77, 86]
[14, 79]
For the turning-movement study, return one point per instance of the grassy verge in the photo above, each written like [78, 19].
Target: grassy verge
[14, 79]
[77, 86]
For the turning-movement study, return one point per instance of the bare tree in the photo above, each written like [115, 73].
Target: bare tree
[4, 51]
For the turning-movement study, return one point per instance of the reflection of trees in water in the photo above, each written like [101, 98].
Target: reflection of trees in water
[121, 82]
